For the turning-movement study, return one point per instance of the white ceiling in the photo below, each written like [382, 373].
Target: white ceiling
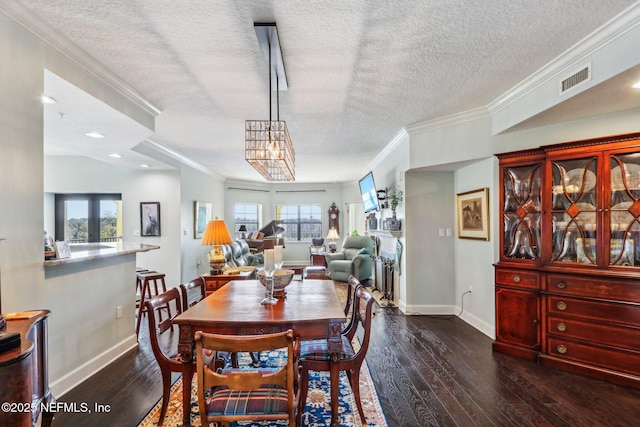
[358, 70]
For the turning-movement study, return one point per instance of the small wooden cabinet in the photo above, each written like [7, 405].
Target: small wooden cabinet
[213, 282]
[567, 288]
[24, 375]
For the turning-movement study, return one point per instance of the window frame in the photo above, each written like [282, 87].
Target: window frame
[298, 223]
[93, 199]
[237, 223]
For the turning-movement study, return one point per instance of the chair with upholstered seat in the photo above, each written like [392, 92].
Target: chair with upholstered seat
[157, 326]
[355, 258]
[352, 286]
[229, 394]
[192, 292]
[315, 356]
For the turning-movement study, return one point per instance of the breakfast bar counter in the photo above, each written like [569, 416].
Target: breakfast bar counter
[81, 252]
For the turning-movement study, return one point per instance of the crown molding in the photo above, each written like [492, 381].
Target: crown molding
[45, 32]
[158, 148]
[451, 120]
[387, 150]
[616, 27]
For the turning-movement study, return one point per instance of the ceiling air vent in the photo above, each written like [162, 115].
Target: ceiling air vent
[584, 75]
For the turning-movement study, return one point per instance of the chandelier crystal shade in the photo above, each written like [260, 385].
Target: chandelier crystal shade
[269, 150]
[268, 146]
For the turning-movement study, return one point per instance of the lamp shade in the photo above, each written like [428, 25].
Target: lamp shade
[242, 228]
[333, 234]
[216, 233]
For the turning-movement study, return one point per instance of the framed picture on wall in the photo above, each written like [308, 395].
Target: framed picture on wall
[202, 215]
[473, 214]
[149, 219]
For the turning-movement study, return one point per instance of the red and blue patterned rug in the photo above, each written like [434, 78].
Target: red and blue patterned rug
[317, 411]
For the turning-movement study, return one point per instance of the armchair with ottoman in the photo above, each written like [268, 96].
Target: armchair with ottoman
[355, 258]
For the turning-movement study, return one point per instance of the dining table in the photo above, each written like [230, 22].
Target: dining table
[311, 308]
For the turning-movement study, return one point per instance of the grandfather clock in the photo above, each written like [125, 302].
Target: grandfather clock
[334, 218]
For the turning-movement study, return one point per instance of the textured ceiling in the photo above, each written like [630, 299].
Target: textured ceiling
[358, 70]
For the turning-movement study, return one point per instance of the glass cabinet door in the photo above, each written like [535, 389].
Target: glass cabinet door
[573, 209]
[522, 211]
[624, 227]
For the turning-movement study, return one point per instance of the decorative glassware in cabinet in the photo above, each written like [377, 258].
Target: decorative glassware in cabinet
[522, 212]
[624, 225]
[573, 209]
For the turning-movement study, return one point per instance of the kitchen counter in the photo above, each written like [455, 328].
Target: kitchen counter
[81, 252]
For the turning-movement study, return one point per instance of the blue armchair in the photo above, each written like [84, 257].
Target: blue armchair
[355, 259]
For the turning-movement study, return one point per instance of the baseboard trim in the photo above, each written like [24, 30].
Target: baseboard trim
[67, 382]
[479, 324]
[437, 310]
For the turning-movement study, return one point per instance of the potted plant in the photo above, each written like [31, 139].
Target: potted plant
[395, 197]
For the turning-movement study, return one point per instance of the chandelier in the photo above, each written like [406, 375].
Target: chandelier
[268, 146]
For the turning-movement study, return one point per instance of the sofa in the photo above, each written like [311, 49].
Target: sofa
[355, 258]
[238, 256]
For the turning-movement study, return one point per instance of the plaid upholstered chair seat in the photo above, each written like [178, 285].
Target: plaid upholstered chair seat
[227, 402]
[317, 349]
[233, 394]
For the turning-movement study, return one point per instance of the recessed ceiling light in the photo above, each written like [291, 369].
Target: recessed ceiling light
[115, 155]
[636, 85]
[144, 165]
[48, 100]
[94, 135]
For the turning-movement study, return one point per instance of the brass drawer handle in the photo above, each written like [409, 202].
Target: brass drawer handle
[562, 349]
[562, 306]
[561, 285]
[562, 327]
[517, 278]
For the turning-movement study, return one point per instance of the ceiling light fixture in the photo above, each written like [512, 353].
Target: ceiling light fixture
[636, 85]
[144, 165]
[268, 146]
[48, 100]
[96, 135]
[115, 155]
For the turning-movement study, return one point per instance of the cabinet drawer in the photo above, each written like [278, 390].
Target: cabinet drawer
[605, 357]
[594, 287]
[624, 314]
[618, 336]
[518, 278]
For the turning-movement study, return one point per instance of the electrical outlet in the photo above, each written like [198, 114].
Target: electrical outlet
[118, 312]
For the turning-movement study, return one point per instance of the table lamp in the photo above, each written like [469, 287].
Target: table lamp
[332, 237]
[242, 229]
[216, 234]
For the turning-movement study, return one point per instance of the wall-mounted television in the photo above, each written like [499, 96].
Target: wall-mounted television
[369, 193]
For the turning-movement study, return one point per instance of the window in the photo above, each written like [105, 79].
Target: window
[82, 218]
[300, 222]
[248, 215]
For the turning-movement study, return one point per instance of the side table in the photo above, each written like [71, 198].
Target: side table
[213, 282]
[317, 258]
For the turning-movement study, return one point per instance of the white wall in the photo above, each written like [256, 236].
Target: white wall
[430, 258]
[474, 258]
[197, 186]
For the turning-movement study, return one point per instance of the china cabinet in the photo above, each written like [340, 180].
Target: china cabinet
[567, 283]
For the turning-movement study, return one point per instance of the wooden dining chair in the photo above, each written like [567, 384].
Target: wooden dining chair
[314, 354]
[192, 292]
[168, 363]
[231, 394]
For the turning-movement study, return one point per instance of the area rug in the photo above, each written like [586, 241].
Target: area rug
[317, 411]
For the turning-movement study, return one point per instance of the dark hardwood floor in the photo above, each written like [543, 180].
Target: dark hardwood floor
[428, 370]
